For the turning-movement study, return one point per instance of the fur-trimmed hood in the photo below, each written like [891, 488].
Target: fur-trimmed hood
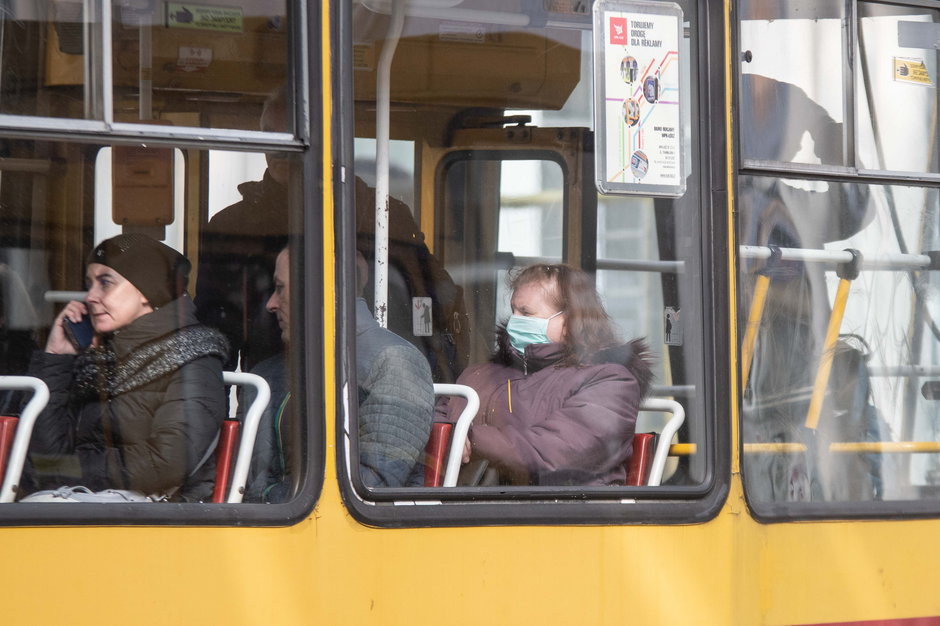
[635, 355]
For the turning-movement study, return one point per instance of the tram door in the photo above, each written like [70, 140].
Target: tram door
[505, 198]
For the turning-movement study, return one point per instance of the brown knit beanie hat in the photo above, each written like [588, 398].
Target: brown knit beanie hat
[157, 270]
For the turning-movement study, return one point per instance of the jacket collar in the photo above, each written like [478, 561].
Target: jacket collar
[540, 355]
[163, 321]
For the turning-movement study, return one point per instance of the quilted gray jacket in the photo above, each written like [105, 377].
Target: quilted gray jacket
[396, 404]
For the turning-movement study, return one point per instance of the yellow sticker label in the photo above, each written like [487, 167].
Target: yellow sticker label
[198, 16]
[911, 71]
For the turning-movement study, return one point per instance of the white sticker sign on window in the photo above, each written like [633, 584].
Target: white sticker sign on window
[421, 322]
[638, 98]
[672, 327]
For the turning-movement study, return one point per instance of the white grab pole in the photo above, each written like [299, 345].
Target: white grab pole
[382, 113]
[665, 438]
[460, 429]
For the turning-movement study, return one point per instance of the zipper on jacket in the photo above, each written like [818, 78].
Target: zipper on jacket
[509, 393]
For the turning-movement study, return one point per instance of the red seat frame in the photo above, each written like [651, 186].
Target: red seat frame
[224, 455]
[7, 433]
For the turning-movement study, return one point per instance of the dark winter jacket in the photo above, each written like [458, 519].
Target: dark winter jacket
[541, 423]
[269, 475]
[236, 269]
[131, 424]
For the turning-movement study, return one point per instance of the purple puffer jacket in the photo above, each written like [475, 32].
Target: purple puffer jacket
[544, 424]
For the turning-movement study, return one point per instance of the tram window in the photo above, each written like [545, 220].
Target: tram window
[401, 156]
[531, 209]
[41, 51]
[794, 109]
[792, 105]
[228, 170]
[897, 98]
[836, 366]
[841, 424]
[60, 199]
[208, 65]
[503, 179]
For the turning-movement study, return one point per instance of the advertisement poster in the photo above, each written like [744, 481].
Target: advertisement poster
[638, 98]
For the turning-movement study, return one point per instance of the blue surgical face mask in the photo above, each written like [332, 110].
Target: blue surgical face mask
[524, 331]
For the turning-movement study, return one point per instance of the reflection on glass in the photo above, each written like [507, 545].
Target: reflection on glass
[805, 428]
[216, 57]
[48, 225]
[897, 100]
[42, 60]
[208, 65]
[791, 104]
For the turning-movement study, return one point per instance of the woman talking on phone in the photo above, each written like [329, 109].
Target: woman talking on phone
[559, 398]
[136, 392]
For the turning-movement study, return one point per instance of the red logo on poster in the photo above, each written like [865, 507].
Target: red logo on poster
[618, 31]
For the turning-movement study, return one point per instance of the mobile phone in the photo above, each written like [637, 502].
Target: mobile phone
[79, 333]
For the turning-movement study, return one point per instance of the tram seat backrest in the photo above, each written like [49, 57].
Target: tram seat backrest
[644, 467]
[231, 467]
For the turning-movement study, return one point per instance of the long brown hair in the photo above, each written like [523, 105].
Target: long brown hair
[588, 328]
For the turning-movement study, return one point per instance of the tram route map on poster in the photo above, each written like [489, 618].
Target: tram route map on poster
[638, 99]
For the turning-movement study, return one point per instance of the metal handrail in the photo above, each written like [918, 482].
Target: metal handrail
[249, 429]
[24, 429]
[461, 428]
[665, 437]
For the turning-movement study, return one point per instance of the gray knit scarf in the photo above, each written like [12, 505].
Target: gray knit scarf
[99, 373]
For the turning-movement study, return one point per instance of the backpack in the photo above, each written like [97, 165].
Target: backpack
[425, 305]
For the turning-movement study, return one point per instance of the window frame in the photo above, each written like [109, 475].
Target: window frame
[474, 506]
[850, 95]
[100, 59]
[308, 364]
[783, 512]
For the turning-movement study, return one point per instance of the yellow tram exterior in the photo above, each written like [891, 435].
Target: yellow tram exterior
[726, 566]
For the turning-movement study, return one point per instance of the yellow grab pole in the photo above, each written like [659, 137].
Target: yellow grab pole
[908, 447]
[753, 324]
[847, 272]
[778, 447]
[825, 361]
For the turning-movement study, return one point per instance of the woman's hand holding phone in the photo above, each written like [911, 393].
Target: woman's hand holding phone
[60, 339]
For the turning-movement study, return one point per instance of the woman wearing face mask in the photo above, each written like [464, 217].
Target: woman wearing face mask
[138, 409]
[559, 399]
